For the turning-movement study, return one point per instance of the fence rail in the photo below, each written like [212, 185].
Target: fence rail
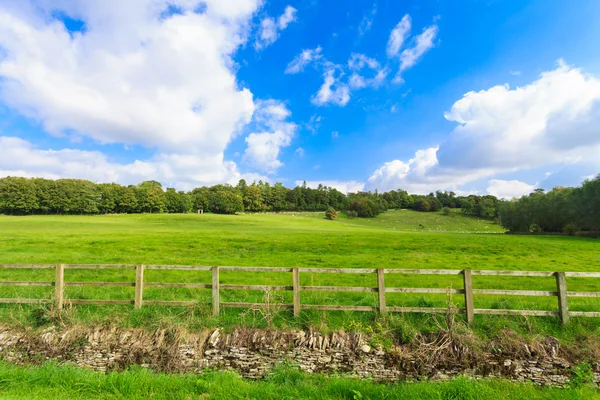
[467, 291]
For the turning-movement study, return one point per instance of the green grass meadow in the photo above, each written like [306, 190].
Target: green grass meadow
[396, 239]
[50, 381]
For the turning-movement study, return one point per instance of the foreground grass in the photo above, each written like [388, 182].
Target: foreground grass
[394, 240]
[60, 382]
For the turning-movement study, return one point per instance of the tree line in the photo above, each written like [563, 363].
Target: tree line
[562, 209]
[24, 196]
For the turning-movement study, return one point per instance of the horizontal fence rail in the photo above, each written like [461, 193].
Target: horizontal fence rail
[467, 291]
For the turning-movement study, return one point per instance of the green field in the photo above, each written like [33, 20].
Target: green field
[396, 239]
[53, 382]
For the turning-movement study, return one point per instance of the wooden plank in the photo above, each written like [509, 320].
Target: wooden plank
[215, 290]
[101, 302]
[99, 266]
[430, 310]
[296, 288]
[15, 283]
[583, 294]
[381, 290]
[423, 271]
[122, 284]
[582, 274]
[178, 267]
[512, 273]
[584, 314]
[171, 303]
[468, 289]
[139, 286]
[535, 313]
[256, 269]
[255, 287]
[23, 301]
[424, 290]
[338, 308]
[59, 286]
[340, 270]
[563, 300]
[27, 266]
[253, 305]
[539, 293]
[179, 285]
[337, 289]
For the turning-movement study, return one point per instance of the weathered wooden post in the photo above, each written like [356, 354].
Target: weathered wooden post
[468, 286]
[296, 287]
[563, 303]
[139, 286]
[59, 285]
[381, 290]
[215, 291]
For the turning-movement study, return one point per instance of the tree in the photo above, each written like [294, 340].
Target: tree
[17, 196]
[364, 208]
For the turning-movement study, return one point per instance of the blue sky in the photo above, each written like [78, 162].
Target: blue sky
[493, 97]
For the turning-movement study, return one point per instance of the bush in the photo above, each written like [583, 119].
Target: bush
[446, 210]
[331, 213]
[351, 214]
[570, 229]
[534, 228]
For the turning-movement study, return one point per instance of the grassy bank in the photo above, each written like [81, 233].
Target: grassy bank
[54, 382]
[396, 239]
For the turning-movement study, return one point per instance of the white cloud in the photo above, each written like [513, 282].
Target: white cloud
[358, 61]
[342, 186]
[398, 36]
[552, 120]
[509, 189]
[367, 21]
[515, 73]
[333, 90]
[314, 123]
[299, 152]
[422, 43]
[270, 29]
[288, 16]
[335, 134]
[183, 171]
[303, 59]
[134, 76]
[274, 134]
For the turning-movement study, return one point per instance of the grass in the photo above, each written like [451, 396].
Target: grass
[396, 239]
[50, 381]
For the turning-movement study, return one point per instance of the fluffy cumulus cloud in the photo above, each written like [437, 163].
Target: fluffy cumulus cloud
[135, 74]
[274, 133]
[270, 28]
[184, 171]
[508, 189]
[553, 120]
[342, 186]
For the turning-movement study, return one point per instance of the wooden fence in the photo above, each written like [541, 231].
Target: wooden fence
[467, 291]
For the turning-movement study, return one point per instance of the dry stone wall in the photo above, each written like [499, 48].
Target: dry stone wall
[254, 353]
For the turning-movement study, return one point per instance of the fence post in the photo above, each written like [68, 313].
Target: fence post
[215, 291]
[139, 286]
[381, 290]
[468, 286]
[296, 287]
[563, 303]
[59, 285]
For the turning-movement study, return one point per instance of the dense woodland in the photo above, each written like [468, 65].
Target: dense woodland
[560, 210]
[23, 196]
